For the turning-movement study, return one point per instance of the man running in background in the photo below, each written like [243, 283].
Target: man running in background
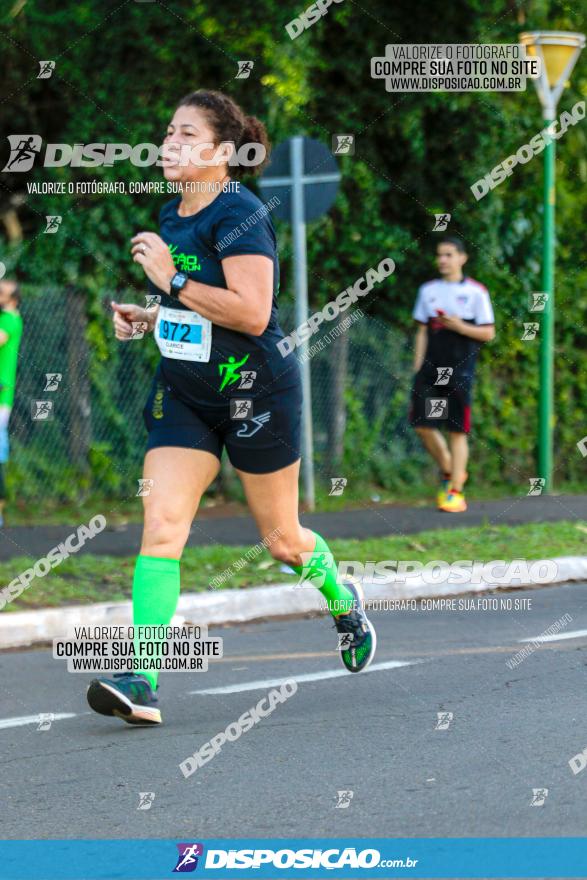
[454, 316]
[10, 335]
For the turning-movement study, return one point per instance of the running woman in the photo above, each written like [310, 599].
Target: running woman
[10, 336]
[454, 316]
[214, 266]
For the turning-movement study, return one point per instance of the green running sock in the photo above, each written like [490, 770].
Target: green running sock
[321, 571]
[155, 593]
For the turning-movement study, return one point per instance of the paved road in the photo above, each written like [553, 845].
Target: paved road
[373, 734]
[358, 523]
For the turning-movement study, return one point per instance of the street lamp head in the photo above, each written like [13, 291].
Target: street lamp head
[558, 52]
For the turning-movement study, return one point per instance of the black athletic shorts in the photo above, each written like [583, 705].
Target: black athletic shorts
[260, 427]
[437, 406]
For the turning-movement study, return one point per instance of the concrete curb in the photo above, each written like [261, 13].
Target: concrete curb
[23, 628]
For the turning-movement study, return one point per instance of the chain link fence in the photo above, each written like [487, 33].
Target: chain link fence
[77, 422]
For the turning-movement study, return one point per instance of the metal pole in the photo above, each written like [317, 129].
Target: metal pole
[546, 354]
[301, 288]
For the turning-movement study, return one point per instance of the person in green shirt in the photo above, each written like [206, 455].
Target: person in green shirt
[10, 336]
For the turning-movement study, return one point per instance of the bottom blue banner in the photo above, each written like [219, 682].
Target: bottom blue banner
[282, 858]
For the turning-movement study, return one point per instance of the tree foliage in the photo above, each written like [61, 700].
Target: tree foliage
[120, 69]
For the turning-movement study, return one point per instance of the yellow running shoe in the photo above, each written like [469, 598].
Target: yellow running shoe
[454, 502]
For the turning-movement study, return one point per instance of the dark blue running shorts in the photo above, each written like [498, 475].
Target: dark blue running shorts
[260, 426]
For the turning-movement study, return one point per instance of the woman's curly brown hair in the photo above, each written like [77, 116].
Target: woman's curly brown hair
[230, 123]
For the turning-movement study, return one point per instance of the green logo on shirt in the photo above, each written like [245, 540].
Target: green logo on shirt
[230, 371]
[184, 262]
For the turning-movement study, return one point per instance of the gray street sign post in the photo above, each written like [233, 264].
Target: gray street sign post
[304, 176]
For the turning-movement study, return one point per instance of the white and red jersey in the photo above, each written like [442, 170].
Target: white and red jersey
[468, 300]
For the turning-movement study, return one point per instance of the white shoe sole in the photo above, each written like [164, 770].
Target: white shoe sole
[115, 703]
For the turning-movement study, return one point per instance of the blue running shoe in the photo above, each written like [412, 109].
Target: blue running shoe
[358, 639]
[128, 696]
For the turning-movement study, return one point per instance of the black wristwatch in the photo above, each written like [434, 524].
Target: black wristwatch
[178, 282]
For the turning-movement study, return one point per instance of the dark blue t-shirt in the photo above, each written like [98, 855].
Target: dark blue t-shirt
[234, 223]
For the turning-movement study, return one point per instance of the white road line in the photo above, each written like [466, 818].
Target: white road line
[574, 634]
[262, 684]
[33, 719]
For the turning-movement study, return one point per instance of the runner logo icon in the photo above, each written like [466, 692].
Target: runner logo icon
[436, 408]
[247, 379]
[24, 149]
[444, 374]
[314, 569]
[229, 371]
[241, 409]
[188, 857]
[441, 222]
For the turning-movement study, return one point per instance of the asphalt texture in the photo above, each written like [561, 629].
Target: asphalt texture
[374, 734]
[368, 522]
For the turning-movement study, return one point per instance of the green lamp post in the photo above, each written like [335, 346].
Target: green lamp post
[558, 52]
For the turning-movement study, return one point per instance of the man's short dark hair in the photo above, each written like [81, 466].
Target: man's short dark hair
[454, 240]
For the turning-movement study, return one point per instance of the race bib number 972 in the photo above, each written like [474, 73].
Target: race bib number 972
[183, 335]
